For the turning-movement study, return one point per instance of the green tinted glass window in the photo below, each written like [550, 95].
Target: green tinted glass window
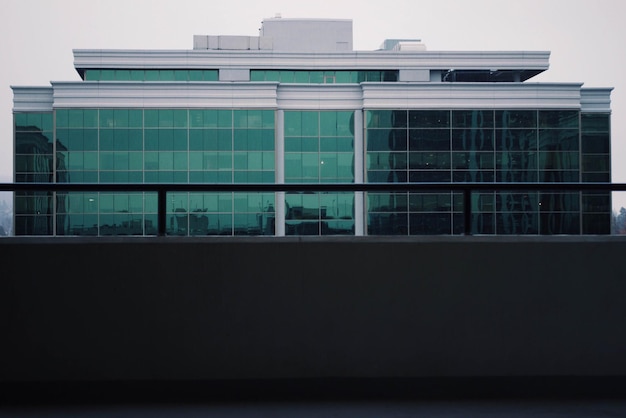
[106, 160]
[166, 139]
[472, 119]
[257, 75]
[92, 75]
[137, 75]
[559, 119]
[302, 77]
[120, 117]
[152, 75]
[343, 77]
[271, 75]
[595, 122]
[135, 160]
[107, 118]
[516, 118]
[210, 75]
[597, 163]
[316, 77]
[181, 75]
[107, 75]
[120, 139]
[310, 123]
[135, 118]
[62, 118]
[328, 124]
[287, 77]
[75, 117]
[599, 143]
[90, 118]
[180, 161]
[122, 75]
[151, 118]
[224, 118]
[382, 118]
[166, 75]
[75, 140]
[240, 118]
[429, 118]
[180, 118]
[558, 139]
[196, 75]
[166, 118]
[20, 121]
[293, 124]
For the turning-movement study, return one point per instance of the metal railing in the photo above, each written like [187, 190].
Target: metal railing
[163, 188]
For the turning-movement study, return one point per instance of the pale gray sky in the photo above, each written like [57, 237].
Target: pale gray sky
[585, 38]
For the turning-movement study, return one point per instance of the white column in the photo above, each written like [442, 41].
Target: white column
[279, 171]
[359, 158]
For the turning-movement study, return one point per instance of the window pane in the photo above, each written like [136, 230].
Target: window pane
[558, 139]
[472, 118]
[559, 119]
[180, 118]
[293, 123]
[595, 122]
[516, 118]
[473, 139]
[596, 143]
[429, 139]
[429, 118]
[516, 139]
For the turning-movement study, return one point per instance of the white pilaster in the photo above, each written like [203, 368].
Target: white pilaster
[359, 158]
[279, 171]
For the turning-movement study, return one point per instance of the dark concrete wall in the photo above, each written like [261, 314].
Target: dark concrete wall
[231, 308]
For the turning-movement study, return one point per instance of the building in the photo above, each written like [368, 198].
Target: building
[297, 104]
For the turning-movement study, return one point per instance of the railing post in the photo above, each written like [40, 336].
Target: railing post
[467, 211]
[161, 211]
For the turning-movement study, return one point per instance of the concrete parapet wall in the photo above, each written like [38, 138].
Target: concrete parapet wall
[167, 308]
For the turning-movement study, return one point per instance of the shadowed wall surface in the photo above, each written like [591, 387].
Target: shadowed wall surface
[253, 309]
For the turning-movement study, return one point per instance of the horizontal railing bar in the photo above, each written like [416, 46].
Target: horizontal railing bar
[163, 188]
[310, 187]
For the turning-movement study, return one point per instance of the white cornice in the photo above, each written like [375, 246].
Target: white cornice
[471, 95]
[355, 60]
[164, 94]
[319, 96]
[596, 99]
[32, 99]
[329, 96]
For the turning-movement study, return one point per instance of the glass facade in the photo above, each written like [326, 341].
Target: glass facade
[503, 146]
[34, 163]
[319, 148]
[596, 167]
[150, 75]
[240, 110]
[146, 146]
[323, 77]
[237, 146]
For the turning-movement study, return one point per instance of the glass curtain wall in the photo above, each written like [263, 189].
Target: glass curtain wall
[165, 146]
[319, 148]
[150, 75]
[210, 146]
[324, 77]
[34, 163]
[596, 167]
[473, 146]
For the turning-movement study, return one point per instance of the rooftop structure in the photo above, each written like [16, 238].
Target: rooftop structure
[297, 104]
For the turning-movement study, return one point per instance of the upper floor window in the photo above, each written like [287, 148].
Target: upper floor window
[324, 77]
[150, 75]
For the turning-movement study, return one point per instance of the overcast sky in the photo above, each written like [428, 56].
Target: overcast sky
[585, 38]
